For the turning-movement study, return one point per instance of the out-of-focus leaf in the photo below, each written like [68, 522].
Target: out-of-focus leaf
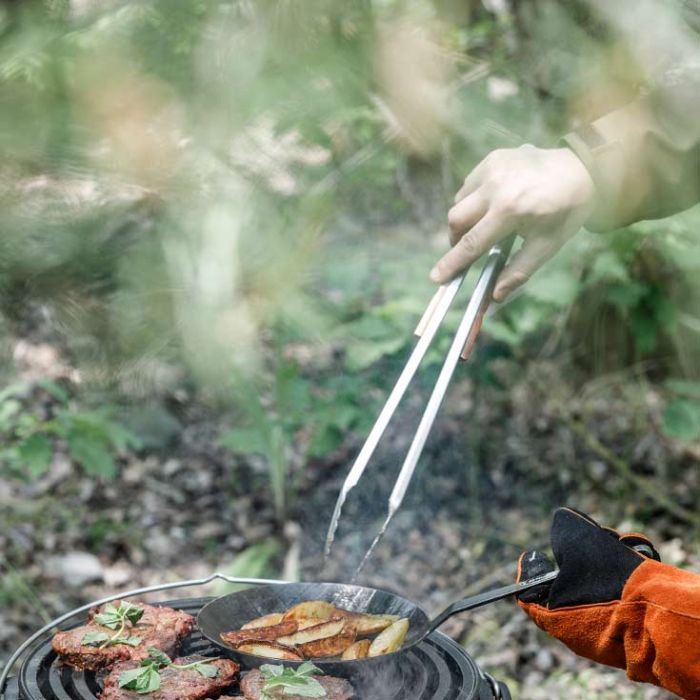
[252, 562]
[251, 440]
[92, 453]
[361, 355]
[681, 419]
[558, 287]
[56, 390]
[684, 387]
[35, 455]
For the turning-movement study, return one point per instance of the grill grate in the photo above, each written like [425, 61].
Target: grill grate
[437, 669]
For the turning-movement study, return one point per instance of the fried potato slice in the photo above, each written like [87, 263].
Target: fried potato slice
[260, 634]
[366, 624]
[311, 634]
[311, 608]
[358, 650]
[307, 622]
[330, 646]
[265, 621]
[271, 650]
[390, 639]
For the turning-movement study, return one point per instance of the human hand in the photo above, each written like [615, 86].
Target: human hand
[544, 195]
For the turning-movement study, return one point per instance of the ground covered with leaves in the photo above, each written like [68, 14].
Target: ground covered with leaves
[502, 457]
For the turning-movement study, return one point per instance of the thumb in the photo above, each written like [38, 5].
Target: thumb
[531, 565]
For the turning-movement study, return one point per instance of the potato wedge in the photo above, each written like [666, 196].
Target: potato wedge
[260, 634]
[318, 609]
[307, 622]
[330, 646]
[358, 650]
[264, 621]
[366, 624]
[271, 650]
[331, 628]
[390, 639]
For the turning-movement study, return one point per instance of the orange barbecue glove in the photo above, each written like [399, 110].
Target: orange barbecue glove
[616, 603]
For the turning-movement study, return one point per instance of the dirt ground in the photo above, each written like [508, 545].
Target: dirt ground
[493, 472]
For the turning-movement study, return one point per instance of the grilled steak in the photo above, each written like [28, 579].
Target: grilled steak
[174, 685]
[336, 688]
[162, 628]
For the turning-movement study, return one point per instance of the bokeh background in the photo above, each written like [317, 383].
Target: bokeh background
[217, 220]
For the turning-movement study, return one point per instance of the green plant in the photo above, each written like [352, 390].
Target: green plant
[681, 416]
[287, 419]
[31, 434]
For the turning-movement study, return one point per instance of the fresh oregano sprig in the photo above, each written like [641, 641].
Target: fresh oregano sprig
[146, 677]
[298, 681]
[115, 619]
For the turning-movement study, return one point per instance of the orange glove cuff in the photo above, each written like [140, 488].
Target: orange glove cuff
[653, 632]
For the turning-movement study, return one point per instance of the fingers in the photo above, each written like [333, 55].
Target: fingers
[530, 565]
[533, 254]
[470, 247]
[640, 544]
[465, 215]
[471, 183]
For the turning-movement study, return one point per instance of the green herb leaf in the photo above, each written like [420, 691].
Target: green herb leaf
[109, 617]
[131, 641]
[94, 639]
[144, 679]
[157, 657]
[207, 670]
[292, 681]
[132, 612]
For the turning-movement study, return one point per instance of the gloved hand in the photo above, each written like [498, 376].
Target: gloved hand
[545, 195]
[614, 602]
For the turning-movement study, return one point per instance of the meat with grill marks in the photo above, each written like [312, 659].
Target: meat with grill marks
[187, 684]
[162, 628]
[336, 688]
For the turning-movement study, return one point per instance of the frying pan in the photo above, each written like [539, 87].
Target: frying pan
[231, 612]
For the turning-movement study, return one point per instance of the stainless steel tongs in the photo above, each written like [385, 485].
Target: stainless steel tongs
[461, 347]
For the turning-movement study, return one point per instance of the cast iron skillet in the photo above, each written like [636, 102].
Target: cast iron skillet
[231, 612]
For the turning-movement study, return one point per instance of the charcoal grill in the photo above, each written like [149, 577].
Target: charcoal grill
[437, 669]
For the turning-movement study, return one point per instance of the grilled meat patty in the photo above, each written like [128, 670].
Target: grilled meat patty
[162, 628]
[336, 688]
[174, 685]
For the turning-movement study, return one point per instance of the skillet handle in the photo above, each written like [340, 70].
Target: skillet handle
[477, 601]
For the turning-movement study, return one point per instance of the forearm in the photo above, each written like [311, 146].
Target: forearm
[644, 158]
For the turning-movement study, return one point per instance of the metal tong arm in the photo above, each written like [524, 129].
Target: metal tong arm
[481, 599]
[119, 596]
[461, 347]
[427, 328]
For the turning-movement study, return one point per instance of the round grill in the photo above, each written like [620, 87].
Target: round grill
[437, 669]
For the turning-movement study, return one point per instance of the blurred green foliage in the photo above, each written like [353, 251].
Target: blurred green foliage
[30, 431]
[217, 185]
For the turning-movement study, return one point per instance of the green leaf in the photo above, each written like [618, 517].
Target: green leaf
[158, 657]
[681, 419]
[555, 287]
[94, 639]
[206, 669]
[144, 679]
[8, 410]
[130, 641]
[131, 612]
[35, 454]
[252, 440]
[109, 617]
[57, 391]
[254, 561]
[362, 354]
[92, 453]
[684, 387]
